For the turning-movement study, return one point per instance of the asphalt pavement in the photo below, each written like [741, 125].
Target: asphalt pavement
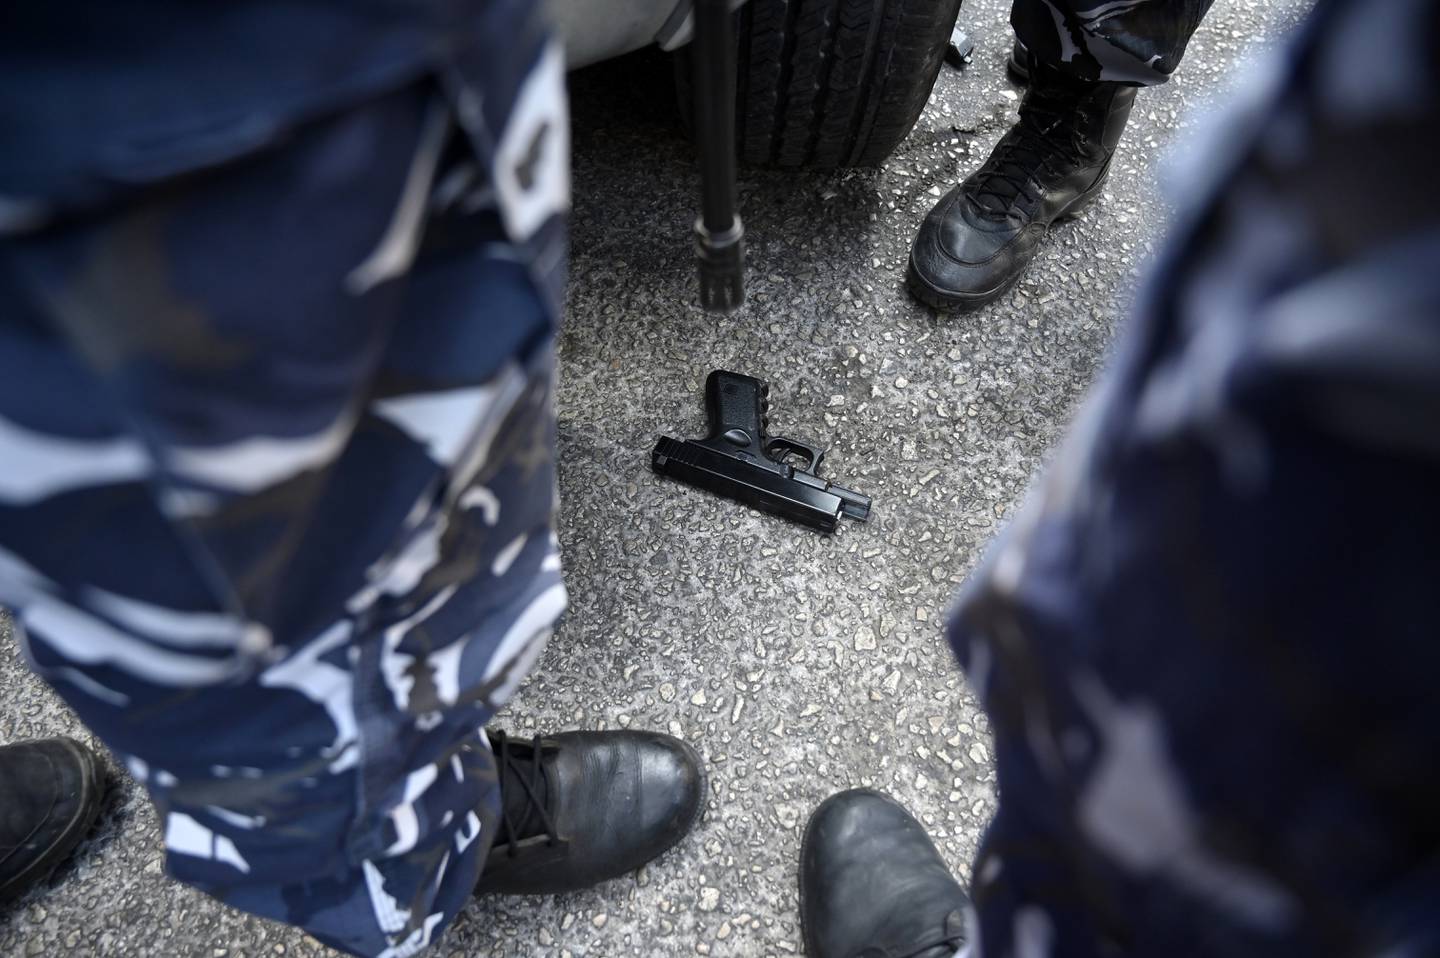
[797, 664]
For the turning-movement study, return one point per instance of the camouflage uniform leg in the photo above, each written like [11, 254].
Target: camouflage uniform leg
[1207, 644]
[1127, 41]
[275, 515]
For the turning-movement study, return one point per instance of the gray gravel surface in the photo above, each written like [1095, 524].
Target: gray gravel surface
[797, 664]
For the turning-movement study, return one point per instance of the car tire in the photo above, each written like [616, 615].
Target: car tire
[833, 83]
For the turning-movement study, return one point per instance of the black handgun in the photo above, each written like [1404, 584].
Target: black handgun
[739, 460]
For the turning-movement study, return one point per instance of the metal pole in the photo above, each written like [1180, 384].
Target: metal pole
[719, 235]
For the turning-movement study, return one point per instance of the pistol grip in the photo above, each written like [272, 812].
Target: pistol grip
[737, 407]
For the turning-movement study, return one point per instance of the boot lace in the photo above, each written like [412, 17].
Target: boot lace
[1042, 144]
[528, 776]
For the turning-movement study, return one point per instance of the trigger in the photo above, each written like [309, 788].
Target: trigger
[815, 456]
[781, 447]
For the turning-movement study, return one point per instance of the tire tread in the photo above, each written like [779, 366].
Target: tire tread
[829, 83]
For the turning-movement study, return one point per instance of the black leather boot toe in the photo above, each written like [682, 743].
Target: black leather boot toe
[50, 793]
[581, 808]
[873, 886]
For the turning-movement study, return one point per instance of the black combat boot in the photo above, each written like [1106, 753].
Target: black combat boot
[49, 797]
[585, 807]
[978, 239]
[873, 886]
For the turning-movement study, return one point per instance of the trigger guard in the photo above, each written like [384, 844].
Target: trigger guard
[779, 443]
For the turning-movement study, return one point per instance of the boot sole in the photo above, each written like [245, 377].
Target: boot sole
[949, 301]
[44, 866]
[1018, 71]
[945, 300]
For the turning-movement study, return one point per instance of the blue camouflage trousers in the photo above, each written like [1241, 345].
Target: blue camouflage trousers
[1126, 41]
[1207, 645]
[276, 489]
